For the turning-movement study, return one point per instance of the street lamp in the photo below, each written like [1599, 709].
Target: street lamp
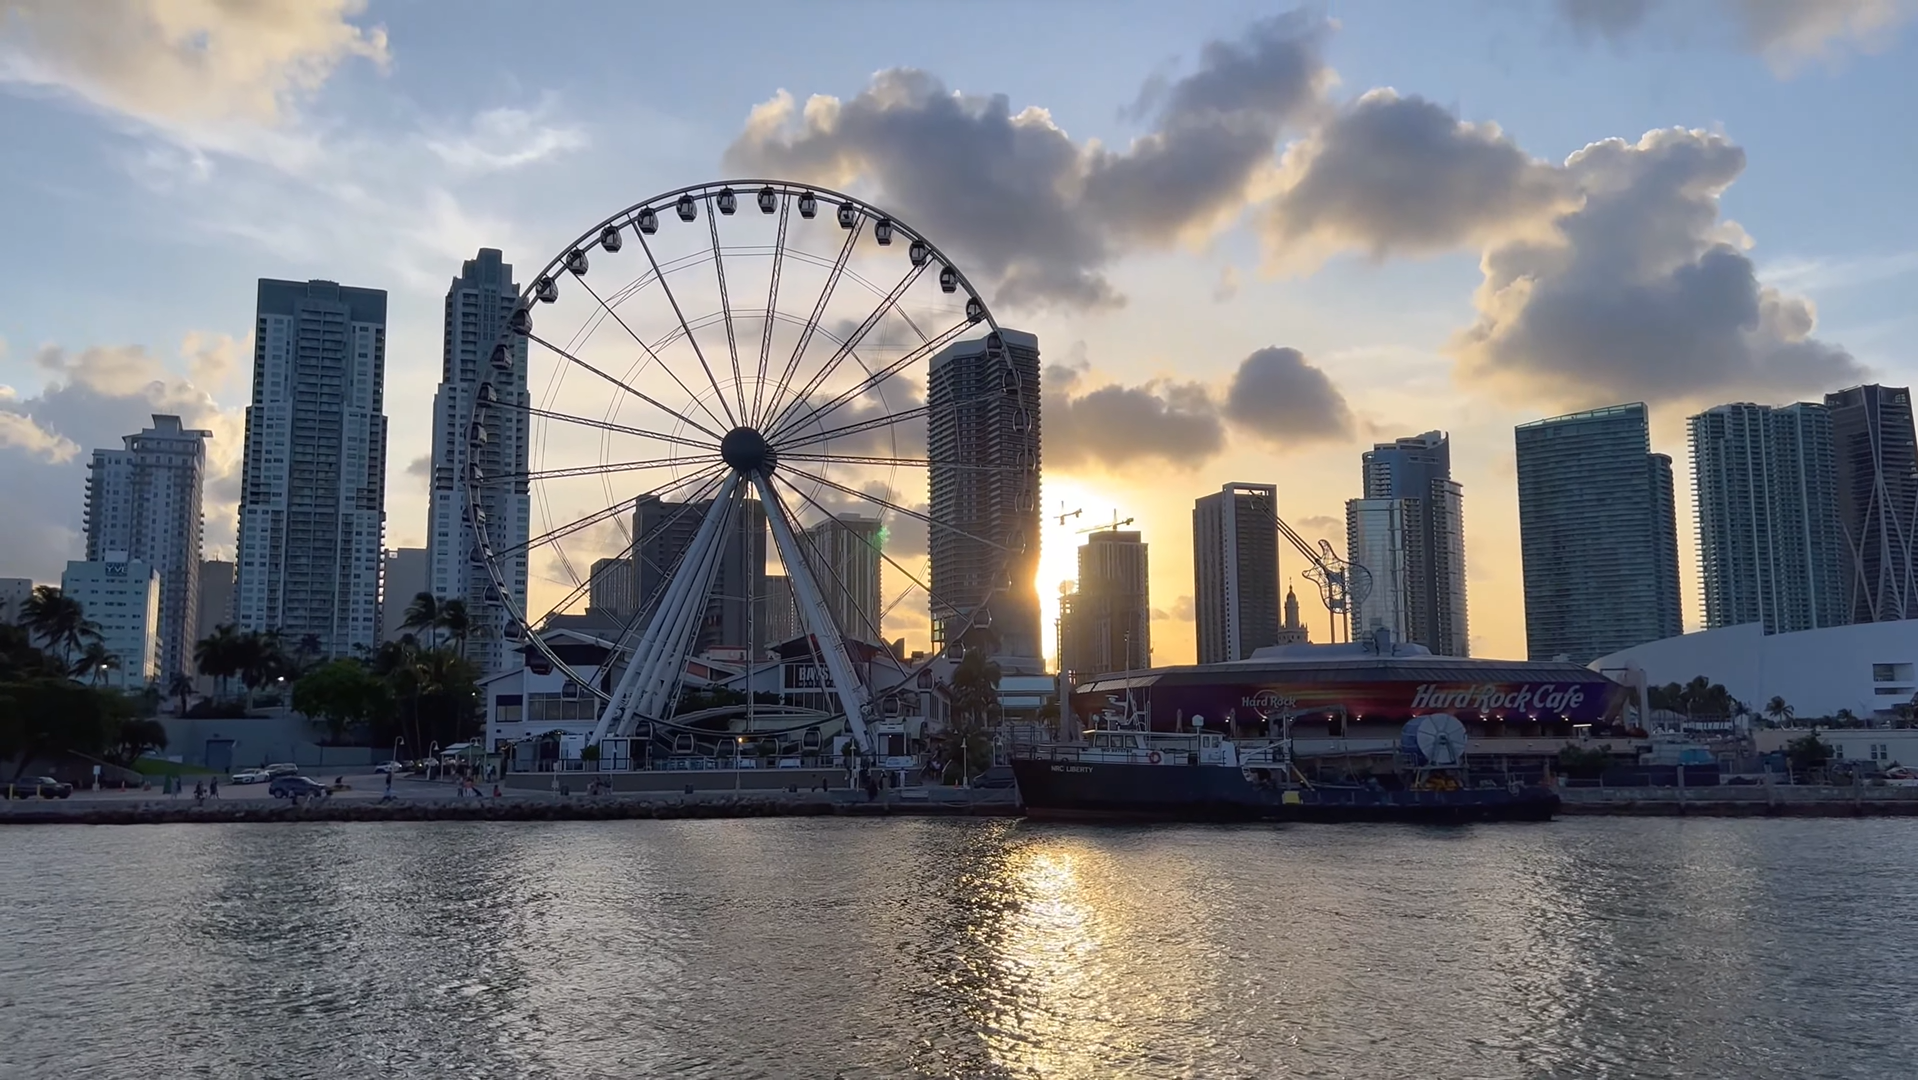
[397, 743]
[739, 747]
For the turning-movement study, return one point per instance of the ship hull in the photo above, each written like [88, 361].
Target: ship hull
[1094, 791]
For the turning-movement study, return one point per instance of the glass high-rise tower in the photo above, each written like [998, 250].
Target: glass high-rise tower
[1770, 549]
[1876, 453]
[1235, 568]
[1598, 534]
[313, 486]
[1418, 584]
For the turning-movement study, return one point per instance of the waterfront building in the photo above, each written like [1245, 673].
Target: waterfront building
[1876, 452]
[982, 434]
[14, 591]
[1426, 602]
[144, 500]
[1106, 621]
[313, 485]
[121, 596]
[1598, 534]
[1770, 548]
[404, 577]
[1235, 563]
[663, 530]
[1868, 669]
[478, 303]
[843, 555]
[216, 598]
[613, 589]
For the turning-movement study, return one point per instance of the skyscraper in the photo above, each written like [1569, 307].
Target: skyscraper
[1235, 562]
[663, 530]
[312, 504]
[122, 597]
[404, 577]
[982, 434]
[1425, 602]
[1597, 534]
[14, 591]
[612, 590]
[1107, 623]
[144, 500]
[216, 597]
[1876, 452]
[843, 556]
[477, 306]
[1770, 549]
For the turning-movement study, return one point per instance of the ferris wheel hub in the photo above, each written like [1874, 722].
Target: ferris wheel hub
[747, 451]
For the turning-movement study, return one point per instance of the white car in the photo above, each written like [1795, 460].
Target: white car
[250, 776]
[390, 767]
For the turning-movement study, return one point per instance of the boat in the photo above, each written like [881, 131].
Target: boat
[1205, 776]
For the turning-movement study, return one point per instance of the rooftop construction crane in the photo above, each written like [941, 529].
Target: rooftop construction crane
[1343, 585]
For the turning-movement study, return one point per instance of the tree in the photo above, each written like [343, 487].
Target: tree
[94, 664]
[259, 659]
[44, 716]
[974, 696]
[423, 614]
[1845, 718]
[181, 687]
[307, 651]
[218, 654]
[134, 738]
[1583, 763]
[58, 621]
[1779, 711]
[1807, 752]
[456, 622]
[340, 694]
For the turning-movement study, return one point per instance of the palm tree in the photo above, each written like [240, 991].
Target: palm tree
[1779, 711]
[423, 614]
[179, 686]
[457, 624]
[974, 694]
[260, 659]
[57, 620]
[307, 651]
[94, 663]
[1844, 718]
[218, 654]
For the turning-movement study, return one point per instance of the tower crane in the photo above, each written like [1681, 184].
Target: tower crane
[1114, 525]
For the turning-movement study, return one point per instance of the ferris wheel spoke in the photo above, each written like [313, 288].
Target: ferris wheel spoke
[608, 513]
[917, 412]
[604, 468]
[584, 588]
[653, 355]
[667, 288]
[820, 561]
[607, 425]
[818, 312]
[641, 395]
[875, 379]
[910, 462]
[934, 597]
[846, 347]
[725, 306]
[772, 306]
[898, 509]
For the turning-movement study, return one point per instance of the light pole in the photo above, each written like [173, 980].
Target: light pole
[397, 743]
[739, 747]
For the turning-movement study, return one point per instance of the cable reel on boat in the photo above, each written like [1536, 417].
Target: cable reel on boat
[1436, 740]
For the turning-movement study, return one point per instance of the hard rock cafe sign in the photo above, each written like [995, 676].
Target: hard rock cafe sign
[1270, 704]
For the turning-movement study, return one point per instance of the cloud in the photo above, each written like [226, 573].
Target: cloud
[1785, 32]
[1642, 292]
[1280, 399]
[1275, 397]
[184, 61]
[1401, 175]
[1109, 426]
[1021, 204]
[1319, 523]
[500, 139]
[421, 466]
[92, 398]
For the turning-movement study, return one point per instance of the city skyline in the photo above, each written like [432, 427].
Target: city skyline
[1291, 332]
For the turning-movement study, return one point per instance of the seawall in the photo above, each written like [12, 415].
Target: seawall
[90, 812]
[1756, 800]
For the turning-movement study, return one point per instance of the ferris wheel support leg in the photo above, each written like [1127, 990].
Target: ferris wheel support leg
[618, 716]
[659, 682]
[854, 696]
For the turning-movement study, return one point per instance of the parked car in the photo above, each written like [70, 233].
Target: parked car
[284, 768]
[46, 787]
[999, 777]
[250, 776]
[390, 767]
[296, 787]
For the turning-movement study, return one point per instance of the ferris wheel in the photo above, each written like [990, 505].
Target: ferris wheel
[726, 385]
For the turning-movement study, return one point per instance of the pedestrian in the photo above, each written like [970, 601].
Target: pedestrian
[495, 791]
[389, 785]
[199, 794]
[213, 787]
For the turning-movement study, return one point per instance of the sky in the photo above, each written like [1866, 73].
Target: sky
[1251, 241]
